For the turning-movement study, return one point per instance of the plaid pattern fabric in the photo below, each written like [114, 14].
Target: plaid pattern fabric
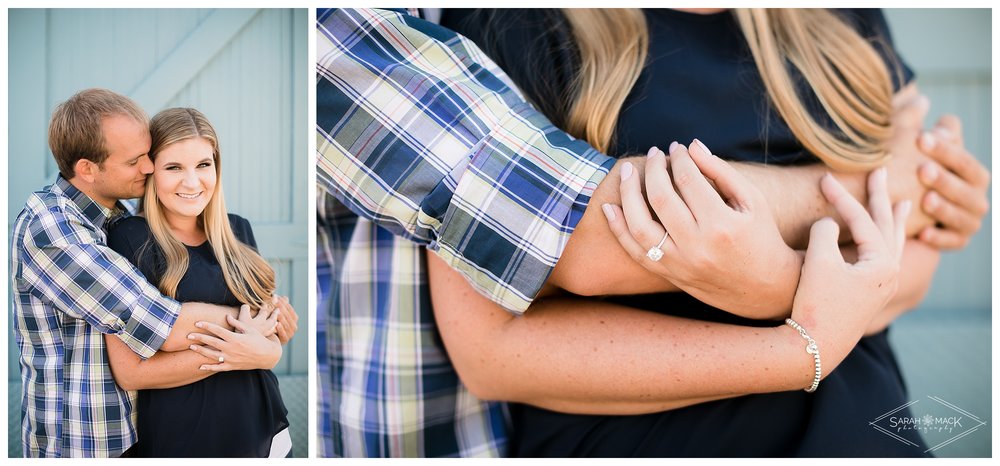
[422, 142]
[69, 289]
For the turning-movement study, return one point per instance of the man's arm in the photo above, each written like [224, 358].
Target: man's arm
[162, 370]
[66, 263]
[456, 161]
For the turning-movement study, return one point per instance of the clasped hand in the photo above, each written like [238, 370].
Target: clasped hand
[254, 345]
[722, 246]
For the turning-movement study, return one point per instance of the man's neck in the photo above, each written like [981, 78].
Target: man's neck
[86, 188]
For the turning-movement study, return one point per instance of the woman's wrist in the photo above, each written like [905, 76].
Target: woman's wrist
[777, 293]
[799, 364]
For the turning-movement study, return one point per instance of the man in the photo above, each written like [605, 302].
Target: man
[422, 141]
[70, 289]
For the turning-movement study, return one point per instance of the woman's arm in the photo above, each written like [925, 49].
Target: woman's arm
[589, 356]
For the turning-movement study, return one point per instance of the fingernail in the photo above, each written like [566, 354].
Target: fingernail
[928, 173]
[204, 368]
[626, 171]
[652, 151]
[192, 347]
[702, 146]
[932, 201]
[673, 145]
[608, 212]
[943, 133]
[883, 174]
[199, 324]
[927, 141]
[190, 336]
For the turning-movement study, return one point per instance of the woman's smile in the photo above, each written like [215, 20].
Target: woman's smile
[185, 177]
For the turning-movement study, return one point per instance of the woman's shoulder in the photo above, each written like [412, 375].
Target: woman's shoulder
[241, 228]
[237, 221]
[872, 25]
[869, 22]
[130, 230]
[132, 223]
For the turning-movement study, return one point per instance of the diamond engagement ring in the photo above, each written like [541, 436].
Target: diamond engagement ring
[655, 253]
[222, 359]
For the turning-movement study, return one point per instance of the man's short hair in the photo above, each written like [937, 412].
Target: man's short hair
[75, 129]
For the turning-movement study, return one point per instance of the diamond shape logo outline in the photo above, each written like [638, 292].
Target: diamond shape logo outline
[978, 423]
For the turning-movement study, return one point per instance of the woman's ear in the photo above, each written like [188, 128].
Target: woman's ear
[86, 170]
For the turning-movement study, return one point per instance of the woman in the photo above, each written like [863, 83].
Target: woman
[622, 98]
[186, 243]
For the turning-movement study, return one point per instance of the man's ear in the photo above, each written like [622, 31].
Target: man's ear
[86, 170]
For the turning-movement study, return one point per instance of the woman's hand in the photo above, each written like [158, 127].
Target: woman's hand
[917, 267]
[836, 300]
[723, 245]
[265, 320]
[245, 350]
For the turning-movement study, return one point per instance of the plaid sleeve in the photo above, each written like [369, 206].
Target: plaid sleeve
[65, 264]
[420, 132]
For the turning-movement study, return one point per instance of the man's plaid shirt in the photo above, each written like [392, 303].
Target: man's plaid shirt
[422, 142]
[69, 289]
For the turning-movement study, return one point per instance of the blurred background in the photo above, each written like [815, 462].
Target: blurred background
[944, 346]
[245, 69]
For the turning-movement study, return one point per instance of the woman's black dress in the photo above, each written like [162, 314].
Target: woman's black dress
[699, 81]
[229, 414]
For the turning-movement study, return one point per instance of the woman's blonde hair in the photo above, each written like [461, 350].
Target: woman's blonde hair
[248, 276]
[850, 79]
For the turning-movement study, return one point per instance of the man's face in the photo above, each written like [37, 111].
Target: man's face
[123, 173]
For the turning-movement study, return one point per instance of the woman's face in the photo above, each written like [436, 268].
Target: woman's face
[184, 175]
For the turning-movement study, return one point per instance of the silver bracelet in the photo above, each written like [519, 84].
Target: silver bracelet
[812, 349]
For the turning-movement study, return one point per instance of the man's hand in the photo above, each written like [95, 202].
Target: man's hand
[246, 350]
[722, 245]
[288, 320]
[909, 111]
[959, 184]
